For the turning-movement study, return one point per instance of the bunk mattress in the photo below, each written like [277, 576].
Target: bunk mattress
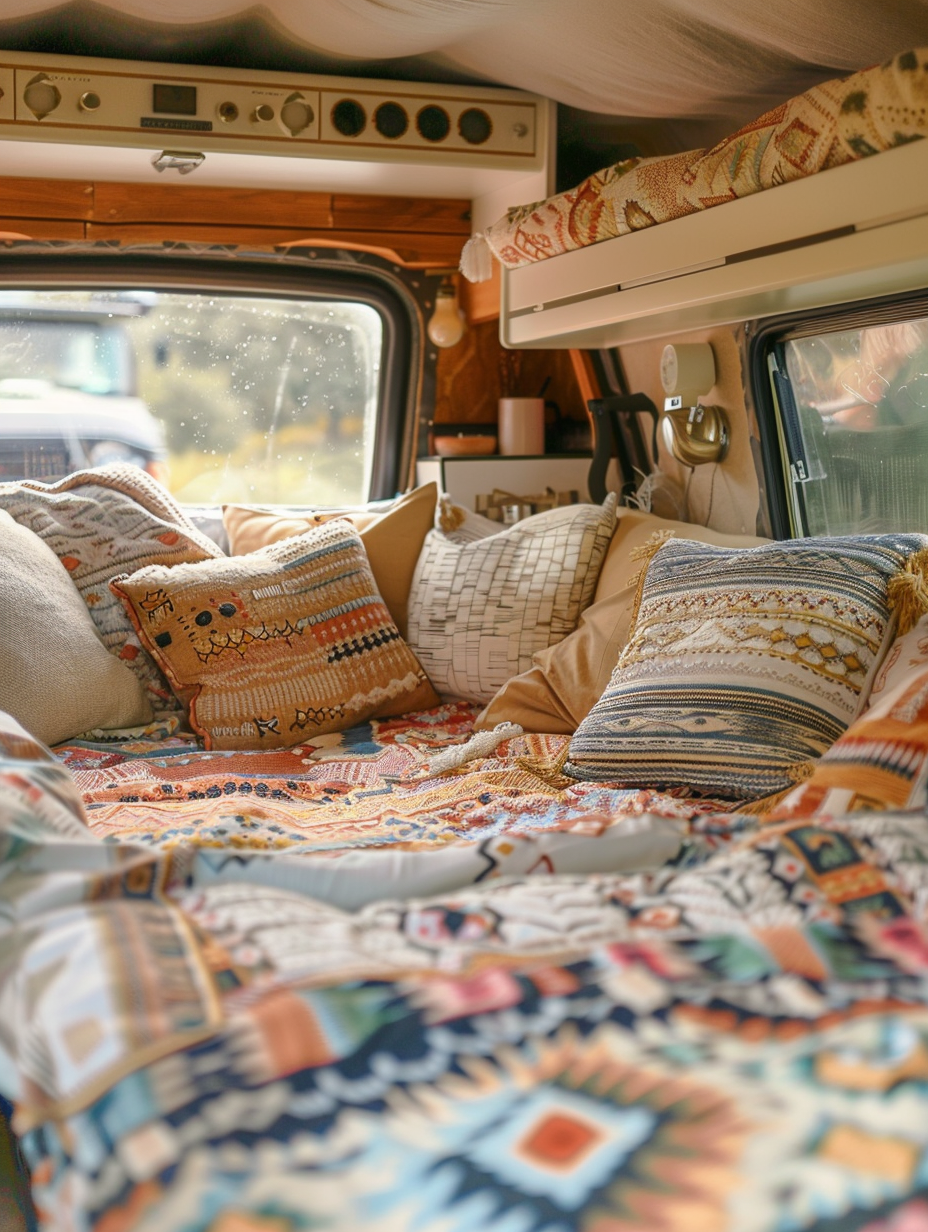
[839, 122]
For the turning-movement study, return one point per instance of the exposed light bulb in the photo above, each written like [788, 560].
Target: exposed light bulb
[446, 324]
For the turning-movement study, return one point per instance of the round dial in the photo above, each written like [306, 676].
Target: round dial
[669, 368]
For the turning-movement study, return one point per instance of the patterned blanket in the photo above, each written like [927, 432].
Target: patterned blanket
[834, 123]
[737, 1040]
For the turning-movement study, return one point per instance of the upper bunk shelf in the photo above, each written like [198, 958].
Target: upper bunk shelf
[857, 229]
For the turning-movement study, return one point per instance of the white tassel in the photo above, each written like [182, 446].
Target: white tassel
[477, 259]
[481, 744]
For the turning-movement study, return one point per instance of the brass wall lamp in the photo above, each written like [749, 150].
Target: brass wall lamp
[695, 433]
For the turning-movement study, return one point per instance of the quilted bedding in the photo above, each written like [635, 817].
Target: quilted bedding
[838, 122]
[737, 1039]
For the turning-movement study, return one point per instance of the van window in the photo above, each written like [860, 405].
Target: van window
[852, 414]
[227, 397]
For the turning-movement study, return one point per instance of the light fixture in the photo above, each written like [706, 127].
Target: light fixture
[446, 324]
[695, 433]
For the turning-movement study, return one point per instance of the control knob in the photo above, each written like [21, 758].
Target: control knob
[41, 96]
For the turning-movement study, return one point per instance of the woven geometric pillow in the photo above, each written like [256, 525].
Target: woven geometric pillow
[273, 648]
[479, 610]
[742, 665]
[881, 761]
[113, 519]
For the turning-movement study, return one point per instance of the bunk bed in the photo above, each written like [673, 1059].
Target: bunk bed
[640, 249]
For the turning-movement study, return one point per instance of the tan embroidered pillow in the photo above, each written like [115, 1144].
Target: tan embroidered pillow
[271, 649]
[392, 538]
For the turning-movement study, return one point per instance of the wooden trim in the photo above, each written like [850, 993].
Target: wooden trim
[480, 300]
[582, 364]
[410, 231]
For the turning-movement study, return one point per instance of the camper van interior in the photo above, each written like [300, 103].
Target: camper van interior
[464, 616]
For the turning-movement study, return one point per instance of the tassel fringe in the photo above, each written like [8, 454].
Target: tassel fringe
[799, 773]
[550, 772]
[908, 592]
[645, 553]
[477, 259]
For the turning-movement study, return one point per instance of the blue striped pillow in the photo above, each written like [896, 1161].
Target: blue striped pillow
[743, 664]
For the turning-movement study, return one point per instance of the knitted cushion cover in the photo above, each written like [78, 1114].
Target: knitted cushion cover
[479, 610]
[273, 648]
[743, 664]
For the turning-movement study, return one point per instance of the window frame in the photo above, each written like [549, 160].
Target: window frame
[337, 275]
[764, 335]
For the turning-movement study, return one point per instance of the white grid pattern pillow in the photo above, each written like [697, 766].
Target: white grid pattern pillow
[478, 611]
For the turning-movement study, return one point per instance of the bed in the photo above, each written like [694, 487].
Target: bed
[443, 968]
[641, 249]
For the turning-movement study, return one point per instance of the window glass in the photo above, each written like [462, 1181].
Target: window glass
[225, 397]
[853, 406]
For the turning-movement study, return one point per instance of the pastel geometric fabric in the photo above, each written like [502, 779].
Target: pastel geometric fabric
[479, 610]
[267, 649]
[742, 665]
[833, 123]
[736, 1042]
[113, 519]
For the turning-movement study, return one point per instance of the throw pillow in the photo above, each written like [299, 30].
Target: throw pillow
[566, 680]
[392, 538]
[271, 649]
[106, 521]
[743, 664]
[907, 655]
[881, 761]
[479, 610]
[56, 676]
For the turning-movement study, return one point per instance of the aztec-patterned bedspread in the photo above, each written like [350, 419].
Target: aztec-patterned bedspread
[837, 122]
[737, 1042]
[367, 813]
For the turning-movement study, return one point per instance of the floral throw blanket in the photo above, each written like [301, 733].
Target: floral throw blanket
[834, 123]
[734, 1041]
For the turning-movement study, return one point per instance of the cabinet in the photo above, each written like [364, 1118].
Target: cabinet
[466, 478]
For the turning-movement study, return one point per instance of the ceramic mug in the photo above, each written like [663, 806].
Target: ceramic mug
[521, 426]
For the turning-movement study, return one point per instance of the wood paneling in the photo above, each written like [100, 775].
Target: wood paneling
[40, 229]
[423, 215]
[187, 203]
[420, 233]
[26, 198]
[480, 300]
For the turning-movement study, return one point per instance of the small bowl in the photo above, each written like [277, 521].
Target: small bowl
[462, 445]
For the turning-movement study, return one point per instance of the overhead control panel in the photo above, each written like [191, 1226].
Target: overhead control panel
[110, 102]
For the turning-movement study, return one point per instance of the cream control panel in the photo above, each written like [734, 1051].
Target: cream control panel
[107, 102]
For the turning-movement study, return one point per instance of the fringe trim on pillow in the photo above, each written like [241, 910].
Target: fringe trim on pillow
[799, 773]
[645, 553]
[908, 592]
[477, 259]
[550, 772]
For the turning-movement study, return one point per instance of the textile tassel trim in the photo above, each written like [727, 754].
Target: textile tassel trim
[799, 773]
[908, 592]
[477, 259]
[645, 553]
[550, 772]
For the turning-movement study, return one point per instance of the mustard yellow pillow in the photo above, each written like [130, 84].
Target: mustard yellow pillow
[392, 539]
[565, 681]
[271, 649]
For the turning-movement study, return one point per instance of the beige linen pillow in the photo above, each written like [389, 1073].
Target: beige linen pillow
[392, 538]
[565, 681]
[271, 649]
[56, 676]
[479, 610]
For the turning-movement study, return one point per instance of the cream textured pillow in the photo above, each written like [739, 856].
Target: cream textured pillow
[56, 676]
[566, 680]
[478, 611]
[271, 649]
[392, 538]
[743, 665]
[106, 521]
